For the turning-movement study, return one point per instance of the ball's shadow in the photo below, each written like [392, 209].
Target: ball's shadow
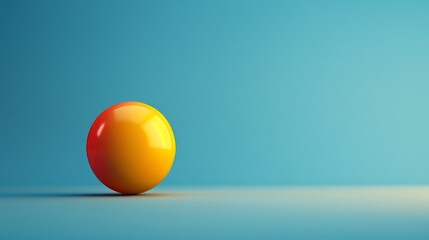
[117, 195]
[91, 195]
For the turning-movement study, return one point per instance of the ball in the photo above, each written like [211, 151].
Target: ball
[131, 147]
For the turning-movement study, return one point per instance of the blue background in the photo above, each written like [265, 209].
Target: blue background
[257, 92]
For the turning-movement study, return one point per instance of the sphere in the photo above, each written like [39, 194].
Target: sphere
[131, 147]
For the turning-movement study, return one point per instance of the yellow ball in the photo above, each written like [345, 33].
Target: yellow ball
[131, 147]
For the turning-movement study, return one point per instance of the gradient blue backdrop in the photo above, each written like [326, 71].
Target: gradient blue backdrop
[257, 92]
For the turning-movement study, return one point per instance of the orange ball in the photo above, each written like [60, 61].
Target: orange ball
[131, 147]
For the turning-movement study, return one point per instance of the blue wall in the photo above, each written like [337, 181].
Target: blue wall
[257, 92]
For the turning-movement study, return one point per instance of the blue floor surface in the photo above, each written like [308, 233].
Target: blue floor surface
[217, 213]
